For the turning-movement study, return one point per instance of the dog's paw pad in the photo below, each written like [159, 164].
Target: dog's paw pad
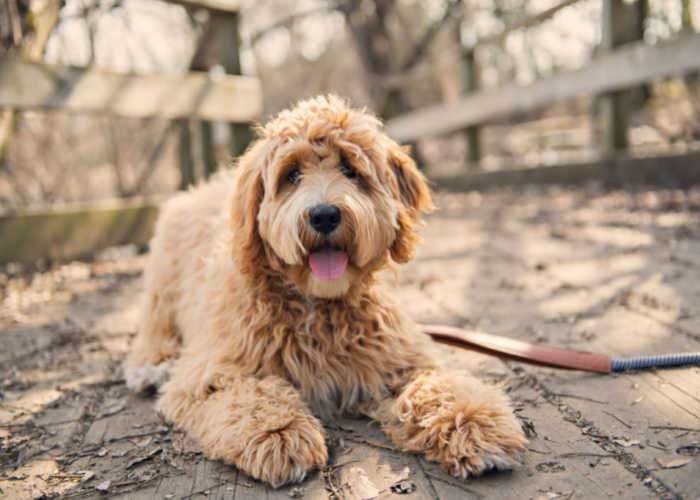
[146, 378]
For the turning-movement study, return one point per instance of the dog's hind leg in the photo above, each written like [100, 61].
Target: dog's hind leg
[155, 345]
[260, 425]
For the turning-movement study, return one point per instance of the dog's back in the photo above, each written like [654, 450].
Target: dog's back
[189, 227]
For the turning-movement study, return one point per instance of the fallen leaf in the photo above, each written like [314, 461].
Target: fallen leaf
[103, 486]
[626, 442]
[691, 450]
[551, 466]
[551, 495]
[87, 475]
[401, 476]
[144, 442]
[403, 487]
[359, 484]
[296, 492]
[527, 426]
[675, 463]
[139, 460]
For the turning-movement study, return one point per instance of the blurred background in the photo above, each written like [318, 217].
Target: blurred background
[104, 99]
[392, 56]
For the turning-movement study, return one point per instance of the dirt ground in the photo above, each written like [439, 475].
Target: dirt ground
[612, 272]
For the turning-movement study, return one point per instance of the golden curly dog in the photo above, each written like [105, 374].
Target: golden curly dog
[264, 284]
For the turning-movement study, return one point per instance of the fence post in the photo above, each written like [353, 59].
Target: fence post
[221, 45]
[473, 133]
[203, 61]
[208, 149]
[184, 154]
[240, 133]
[614, 108]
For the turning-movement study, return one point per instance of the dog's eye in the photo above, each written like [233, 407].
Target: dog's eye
[294, 175]
[347, 169]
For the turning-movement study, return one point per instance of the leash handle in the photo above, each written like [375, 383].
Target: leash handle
[517, 349]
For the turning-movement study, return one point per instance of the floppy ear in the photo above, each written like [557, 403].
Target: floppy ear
[248, 193]
[414, 194]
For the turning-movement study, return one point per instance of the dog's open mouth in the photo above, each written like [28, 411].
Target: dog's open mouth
[328, 263]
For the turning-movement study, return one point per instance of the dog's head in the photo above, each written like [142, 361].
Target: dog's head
[325, 198]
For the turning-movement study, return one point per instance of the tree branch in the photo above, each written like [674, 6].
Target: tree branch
[523, 24]
[287, 21]
[433, 30]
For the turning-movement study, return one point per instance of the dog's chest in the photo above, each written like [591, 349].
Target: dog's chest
[338, 359]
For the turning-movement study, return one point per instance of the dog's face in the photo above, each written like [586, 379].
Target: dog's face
[325, 198]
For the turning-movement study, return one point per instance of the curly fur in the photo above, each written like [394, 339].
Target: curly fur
[262, 345]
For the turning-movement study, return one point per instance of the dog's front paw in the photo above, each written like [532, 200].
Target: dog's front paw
[470, 441]
[465, 426]
[286, 452]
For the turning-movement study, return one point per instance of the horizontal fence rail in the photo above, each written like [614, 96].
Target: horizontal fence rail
[79, 231]
[626, 67]
[228, 98]
[75, 231]
[668, 171]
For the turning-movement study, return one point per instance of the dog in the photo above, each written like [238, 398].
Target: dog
[265, 307]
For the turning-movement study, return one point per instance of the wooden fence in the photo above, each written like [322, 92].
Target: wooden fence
[37, 86]
[624, 62]
[627, 67]
[79, 230]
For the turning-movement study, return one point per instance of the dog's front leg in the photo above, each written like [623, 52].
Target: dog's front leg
[455, 420]
[260, 425]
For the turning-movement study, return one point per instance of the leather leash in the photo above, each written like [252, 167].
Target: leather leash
[553, 356]
[519, 350]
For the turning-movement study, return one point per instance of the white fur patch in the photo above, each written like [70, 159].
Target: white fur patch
[142, 378]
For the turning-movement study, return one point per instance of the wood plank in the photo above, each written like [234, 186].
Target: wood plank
[620, 411]
[548, 266]
[560, 463]
[71, 232]
[674, 170]
[626, 67]
[645, 416]
[363, 459]
[25, 85]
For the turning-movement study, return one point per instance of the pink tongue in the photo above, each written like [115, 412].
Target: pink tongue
[328, 264]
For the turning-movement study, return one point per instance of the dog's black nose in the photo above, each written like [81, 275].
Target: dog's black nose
[324, 218]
